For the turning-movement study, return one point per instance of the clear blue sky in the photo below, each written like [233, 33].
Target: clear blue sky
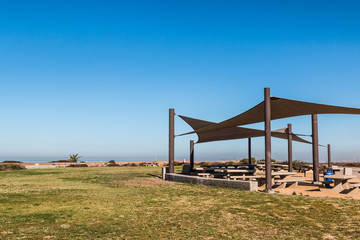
[98, 77]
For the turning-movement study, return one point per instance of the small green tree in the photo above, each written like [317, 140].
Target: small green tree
[74, 157]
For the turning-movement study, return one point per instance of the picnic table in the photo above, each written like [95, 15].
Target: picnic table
[231, 166]
[203, 169]
[281, 179]
[305, 167]
[283, 174]
[248, 178]
[228, 171]
[279, 167]
[280, 174]
[340, 183]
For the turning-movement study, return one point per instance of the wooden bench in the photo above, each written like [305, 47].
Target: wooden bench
[217, 175]
[244, 177]
[206, 175]
[354, 188]
[283, 182]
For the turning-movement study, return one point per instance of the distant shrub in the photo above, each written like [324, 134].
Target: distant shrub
[230, 163]
[204, 164]
[246, 161]
[11, 161]
[279, 161]
[112, 163]
[262, 161]
[347, 164]
[61, 161]
[132, 165]
[297, 164]
[17, 167]
[178, 163]
[77, 165]
[215, 163]
[8, 167]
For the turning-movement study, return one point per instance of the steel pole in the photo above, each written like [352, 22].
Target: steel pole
[329, 156]
[191, 155]
[315, 145]
[249, 150]
[267, 120]
[290, 154]
[171, 140]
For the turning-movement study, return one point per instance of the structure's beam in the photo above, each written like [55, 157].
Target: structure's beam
[315, 149]
[191, 155]
[171, 140]
[290, 154]
[329, 156]
[267, 119]
[249, 150]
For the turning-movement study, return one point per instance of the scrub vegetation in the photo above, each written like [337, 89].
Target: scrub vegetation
[130, 203]
[11, 166]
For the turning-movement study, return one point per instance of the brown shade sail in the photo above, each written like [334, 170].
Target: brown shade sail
[280, 108]
[233, 132]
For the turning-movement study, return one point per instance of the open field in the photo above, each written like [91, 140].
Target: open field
[129, 203]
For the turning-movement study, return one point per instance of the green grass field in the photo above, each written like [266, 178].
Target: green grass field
[129, 203]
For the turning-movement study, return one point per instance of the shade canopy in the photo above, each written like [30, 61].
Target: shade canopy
[280, 108]
[233, 132]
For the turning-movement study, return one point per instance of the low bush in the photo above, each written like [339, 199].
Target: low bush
[8, 167]
[112, 163]
[215, 163]
[77, 165]
[230, 163]
[204, 164]
[297, 164]
[11, 161]
[61, 161]
[262, 161]
[178, 163]
[347, 164]
[246, 161]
